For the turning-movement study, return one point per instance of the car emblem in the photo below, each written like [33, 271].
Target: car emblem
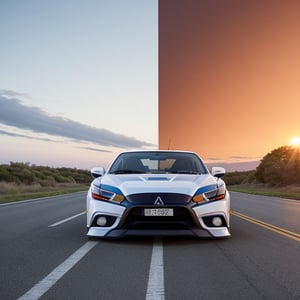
[158, 201]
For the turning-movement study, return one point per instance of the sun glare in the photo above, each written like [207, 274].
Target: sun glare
[295, 141]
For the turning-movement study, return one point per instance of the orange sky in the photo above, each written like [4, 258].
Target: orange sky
[229, 76]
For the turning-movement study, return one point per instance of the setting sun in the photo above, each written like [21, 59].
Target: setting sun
[295, 141]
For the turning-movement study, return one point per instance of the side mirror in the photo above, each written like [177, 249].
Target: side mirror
[97, 172]
[218, 172]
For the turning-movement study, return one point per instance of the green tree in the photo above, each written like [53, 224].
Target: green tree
[280, 167]
[24, 173]
[238, 177]
[5, 175]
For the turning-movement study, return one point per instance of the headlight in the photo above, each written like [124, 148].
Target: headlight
[106, 193]
[203, 194]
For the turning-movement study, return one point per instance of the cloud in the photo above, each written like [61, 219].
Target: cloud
[249, 158]
[233, 158]
[214, 158]
[14, 113]
[9, 93]
[94, 149]
[5, 132]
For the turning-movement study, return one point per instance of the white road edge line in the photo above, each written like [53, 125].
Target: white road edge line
[156, 285]
[45, 284]
[66, 220]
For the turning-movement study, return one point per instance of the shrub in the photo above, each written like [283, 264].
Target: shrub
[23, 173]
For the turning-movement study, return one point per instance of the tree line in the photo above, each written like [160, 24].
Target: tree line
[24, 173]
[280, 167]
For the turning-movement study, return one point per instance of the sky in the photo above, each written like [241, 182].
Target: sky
[78, 80]
[229, 77]
[81, 81]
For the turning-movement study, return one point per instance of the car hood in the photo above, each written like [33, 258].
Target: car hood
[158, 183]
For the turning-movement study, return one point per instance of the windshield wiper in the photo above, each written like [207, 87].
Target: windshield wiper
[127, 172]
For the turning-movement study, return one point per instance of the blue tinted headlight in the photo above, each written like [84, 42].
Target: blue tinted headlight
[216, 194]
[210, 193]
[100, 193]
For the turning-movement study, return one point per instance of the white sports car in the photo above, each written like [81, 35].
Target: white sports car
[158, 193]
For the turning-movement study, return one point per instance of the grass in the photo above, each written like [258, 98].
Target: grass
[289, 192]
[10, 192]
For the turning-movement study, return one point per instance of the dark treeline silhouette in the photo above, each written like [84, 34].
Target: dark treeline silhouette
[279, 167]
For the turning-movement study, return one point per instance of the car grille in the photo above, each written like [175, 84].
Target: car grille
[182, 219]
[166, 198]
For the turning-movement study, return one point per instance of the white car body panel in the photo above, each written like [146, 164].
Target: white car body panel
[162, 186]
[149, 183]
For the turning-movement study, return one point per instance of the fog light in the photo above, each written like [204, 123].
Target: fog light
[217, 221]
[101, 221]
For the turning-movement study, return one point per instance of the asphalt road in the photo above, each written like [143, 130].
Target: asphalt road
[45, 254]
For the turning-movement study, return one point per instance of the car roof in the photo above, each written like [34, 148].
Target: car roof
[160, 150]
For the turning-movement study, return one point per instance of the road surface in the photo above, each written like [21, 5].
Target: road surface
[44, 254]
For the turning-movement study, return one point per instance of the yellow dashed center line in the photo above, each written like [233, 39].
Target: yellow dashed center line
[282, 231]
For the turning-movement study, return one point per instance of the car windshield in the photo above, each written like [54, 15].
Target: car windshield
[158, 162]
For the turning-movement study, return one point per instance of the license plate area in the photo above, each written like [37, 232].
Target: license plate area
[158, 212]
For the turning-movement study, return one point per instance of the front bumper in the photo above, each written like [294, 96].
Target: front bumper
[196, 221]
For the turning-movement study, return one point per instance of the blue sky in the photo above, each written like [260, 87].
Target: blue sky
[78, 80]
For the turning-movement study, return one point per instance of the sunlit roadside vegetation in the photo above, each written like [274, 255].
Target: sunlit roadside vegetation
[19, 181]
[278, 175]
[12, 192]
[288, 192]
